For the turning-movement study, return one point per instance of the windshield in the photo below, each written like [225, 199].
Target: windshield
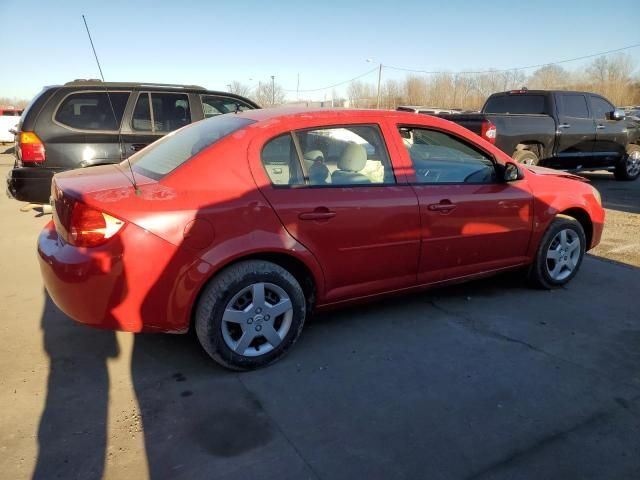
[517, 103]
[176, 148]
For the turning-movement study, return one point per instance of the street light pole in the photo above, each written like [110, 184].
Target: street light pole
[273, 90]
[379, 80]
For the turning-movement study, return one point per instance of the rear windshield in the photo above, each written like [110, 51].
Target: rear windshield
[518, 104]
[176, 148]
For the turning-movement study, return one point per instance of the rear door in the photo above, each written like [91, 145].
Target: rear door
[576, 132]
[344, 203]
[153, 115]
[611, 136]
[471, 221]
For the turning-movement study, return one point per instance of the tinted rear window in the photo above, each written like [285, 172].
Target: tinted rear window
[574, 105]
[176, 148]
[92, 110]
[518, 104]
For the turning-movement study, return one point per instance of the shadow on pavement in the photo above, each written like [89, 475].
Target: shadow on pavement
[616, 195]
[72, 436]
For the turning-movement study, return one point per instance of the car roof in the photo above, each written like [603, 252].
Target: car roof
[265, 114]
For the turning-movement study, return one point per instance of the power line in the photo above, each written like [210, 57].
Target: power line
[518, 68]
[336, 84]
[432, 72]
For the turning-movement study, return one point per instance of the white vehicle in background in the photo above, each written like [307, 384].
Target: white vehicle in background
[9, 118]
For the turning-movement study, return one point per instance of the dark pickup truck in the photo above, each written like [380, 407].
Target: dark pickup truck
[558, 129]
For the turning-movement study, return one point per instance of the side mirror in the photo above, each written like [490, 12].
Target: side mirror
[511, 172]
[617, 114]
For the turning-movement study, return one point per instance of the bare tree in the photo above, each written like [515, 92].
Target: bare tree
[548, 77]
[269, 94]
[13, 102]
[361, 95]
[239, 88]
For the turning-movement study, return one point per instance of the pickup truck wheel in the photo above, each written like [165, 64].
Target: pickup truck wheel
[629, 168]
[250, 315]
[559, 255]
[526, 157]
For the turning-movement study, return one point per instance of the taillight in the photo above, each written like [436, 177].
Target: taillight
[488, 131]
[31, 148]
[90, 227]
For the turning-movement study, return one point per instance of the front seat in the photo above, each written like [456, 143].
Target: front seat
[351, 162]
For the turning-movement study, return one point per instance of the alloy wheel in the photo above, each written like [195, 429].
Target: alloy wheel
[563, 254]
[633, 163]
[257, 319]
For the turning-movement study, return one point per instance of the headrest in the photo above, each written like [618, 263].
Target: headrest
[353, 158]
[313, 155]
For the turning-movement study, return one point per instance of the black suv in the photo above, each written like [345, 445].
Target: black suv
[89, 122]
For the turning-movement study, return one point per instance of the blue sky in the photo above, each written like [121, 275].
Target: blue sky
[211, 43]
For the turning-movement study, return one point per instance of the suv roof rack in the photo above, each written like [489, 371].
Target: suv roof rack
[97, 81]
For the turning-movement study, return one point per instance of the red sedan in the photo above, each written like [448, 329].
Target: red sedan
[243, 224]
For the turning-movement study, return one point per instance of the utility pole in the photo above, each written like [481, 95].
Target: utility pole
[273, 90]
[379, 80]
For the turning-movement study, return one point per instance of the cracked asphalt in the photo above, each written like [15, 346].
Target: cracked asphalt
[488, 380]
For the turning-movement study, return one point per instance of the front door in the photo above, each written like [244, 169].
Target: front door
[576, 132]
[472, 222]
[611, 136]
[335, 192]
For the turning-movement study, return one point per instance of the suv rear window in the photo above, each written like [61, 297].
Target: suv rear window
[171, 151]
[92, 111]
[517, 103]
[214, 105]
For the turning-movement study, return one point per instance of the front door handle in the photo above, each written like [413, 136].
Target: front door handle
[444, 207]
[600, 127]
[136, 147]
[320, 213]
[564, 125]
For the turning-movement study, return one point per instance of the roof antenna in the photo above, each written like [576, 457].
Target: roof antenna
[113, 111]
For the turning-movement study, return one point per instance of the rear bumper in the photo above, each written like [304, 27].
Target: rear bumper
[30, 184]
[114, 287]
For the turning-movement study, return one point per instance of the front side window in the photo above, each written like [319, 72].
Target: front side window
[574, 106]
[161, 112]
[438, 157]
[92, 110]
[601, 108]
[216, 105]
[173, 150]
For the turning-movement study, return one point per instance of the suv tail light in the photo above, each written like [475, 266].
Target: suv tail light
[31, 148]
[488, 131]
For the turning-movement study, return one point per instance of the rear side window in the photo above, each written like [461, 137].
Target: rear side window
[518, 104]
[92, 110]
[161, 112]
[215, 105]
[601, 108]
[280, 161]
[438, 157]
[173, 150]
[574, 105]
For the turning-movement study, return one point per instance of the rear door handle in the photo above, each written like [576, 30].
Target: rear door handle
[317, 214]
[136, 147]
[445, 206]
[564, 125]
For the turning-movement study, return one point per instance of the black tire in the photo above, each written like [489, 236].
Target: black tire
[539, 275]
[526, 157]
[622, 171]
[221, 290]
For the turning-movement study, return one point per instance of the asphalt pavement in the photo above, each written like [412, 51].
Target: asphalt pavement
[488, 380]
